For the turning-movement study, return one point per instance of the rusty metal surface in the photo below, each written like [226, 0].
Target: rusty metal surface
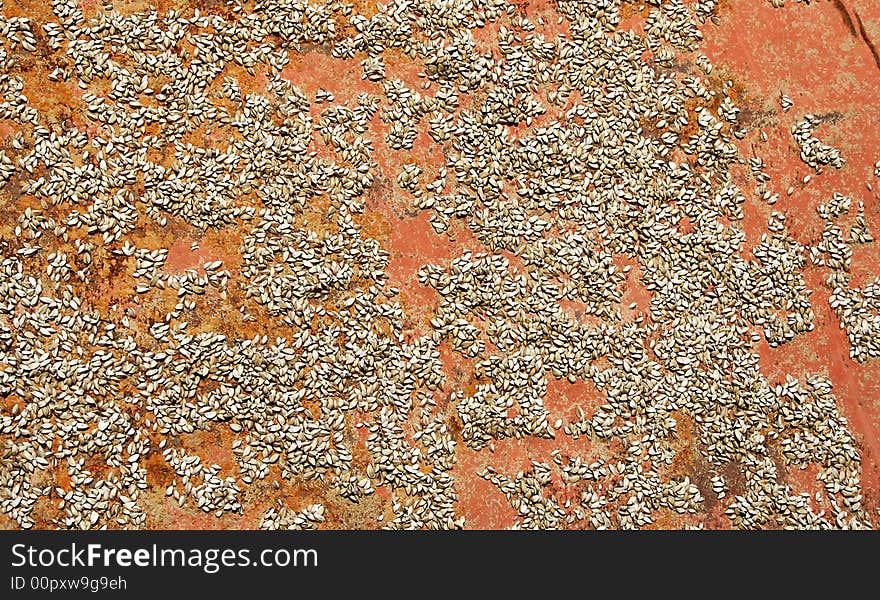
[444, 471]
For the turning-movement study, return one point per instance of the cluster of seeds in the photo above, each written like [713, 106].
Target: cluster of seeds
[813, 151]
[591, 168]
[857, 308]
[284, 518]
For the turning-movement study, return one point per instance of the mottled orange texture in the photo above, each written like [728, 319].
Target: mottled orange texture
[810, 53]
[821, 55]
